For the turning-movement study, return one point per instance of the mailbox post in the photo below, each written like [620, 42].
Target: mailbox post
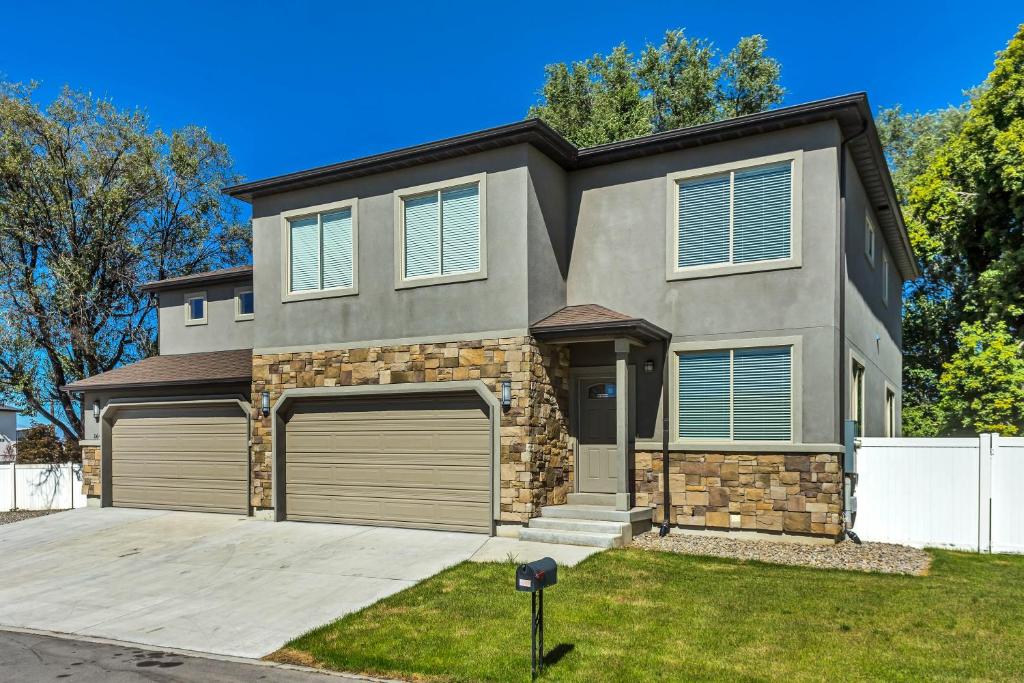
[533, 578]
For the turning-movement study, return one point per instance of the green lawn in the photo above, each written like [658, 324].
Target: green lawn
[631, 615]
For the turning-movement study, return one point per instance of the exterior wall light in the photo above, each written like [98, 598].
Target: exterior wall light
[648, 366]
[96, 410]
[506, 394]
[265, 403]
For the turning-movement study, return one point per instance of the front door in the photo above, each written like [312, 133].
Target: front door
[597, 452]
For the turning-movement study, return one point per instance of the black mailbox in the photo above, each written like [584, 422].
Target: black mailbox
[537, 575]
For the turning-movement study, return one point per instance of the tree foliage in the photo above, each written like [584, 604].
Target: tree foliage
[682, 82]
[93, 203]
[40, 444]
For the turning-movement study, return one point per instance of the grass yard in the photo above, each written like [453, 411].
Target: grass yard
[631, 615]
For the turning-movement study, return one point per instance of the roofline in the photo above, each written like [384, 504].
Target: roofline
[244, 273]
[639, 326]
[75, 388]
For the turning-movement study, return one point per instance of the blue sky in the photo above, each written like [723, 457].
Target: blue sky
[293, 85]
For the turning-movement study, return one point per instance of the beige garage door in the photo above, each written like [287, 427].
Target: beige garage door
[422, 463]
[181, 458]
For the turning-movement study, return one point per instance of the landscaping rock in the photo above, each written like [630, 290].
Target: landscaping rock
[7, 517]
[886, 558]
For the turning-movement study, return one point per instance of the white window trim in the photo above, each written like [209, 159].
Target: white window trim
[856, 358]
[796, 387]
[674, 272]
[895, 412]
[402, 282]
[189, 320]
[286, 251]
[870, 245]
[885, 278]
[239, 316]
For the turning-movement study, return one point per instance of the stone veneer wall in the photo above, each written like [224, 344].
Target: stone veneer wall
[793, 493]
[91, 470]
[536, 463]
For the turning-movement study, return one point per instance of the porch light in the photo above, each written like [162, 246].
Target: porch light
[265, 403]
[96, 410]
[648, 366]
[506, 394]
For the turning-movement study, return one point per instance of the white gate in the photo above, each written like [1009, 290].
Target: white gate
[1007, 503]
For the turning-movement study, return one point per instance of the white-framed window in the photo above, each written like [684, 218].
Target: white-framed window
[195, 308]
[870, 233]
[738, 217]
[320, 255]
[857, 411]
[890, 411]
[440, 233]
[735, 394]
[885, 278]
[244, 303]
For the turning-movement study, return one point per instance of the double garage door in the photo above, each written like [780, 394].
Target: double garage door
[409, 462]
[181, 457]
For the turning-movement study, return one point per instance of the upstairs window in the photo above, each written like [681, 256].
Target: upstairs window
[885, 278]
[869, 239]
[244, 308]
[195, 308]
[321, 253]
[735, 217]
[736, 395]
[441, 235]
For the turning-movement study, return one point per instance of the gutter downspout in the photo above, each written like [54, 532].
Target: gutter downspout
[667, 493]
[841, 417]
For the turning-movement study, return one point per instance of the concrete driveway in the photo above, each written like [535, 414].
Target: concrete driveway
[205, 582]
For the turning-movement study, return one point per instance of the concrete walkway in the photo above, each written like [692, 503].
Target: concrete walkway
[204, 582]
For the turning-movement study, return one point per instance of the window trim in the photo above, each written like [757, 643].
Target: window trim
[188, 297]
[885, 278]
[795, 343]
[795, 260]
[855, 359]
[870, 229]
[239, 316]
[286, 251]
[891, 415]
[399, 197]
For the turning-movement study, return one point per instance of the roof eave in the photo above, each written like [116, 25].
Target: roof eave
[77, 388]
[636, 327]
[213, 278]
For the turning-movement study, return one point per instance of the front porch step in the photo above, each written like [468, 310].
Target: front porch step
[606, 499]
[598, 513]
[624, 529]
[589, 538]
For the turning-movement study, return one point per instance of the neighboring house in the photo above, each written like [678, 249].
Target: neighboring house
[9, 422]
[460, 334]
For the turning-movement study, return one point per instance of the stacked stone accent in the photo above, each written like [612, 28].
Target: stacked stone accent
[536, 463]
[91, 470]
[797, 493]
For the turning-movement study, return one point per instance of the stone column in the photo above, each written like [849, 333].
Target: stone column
[622, 402]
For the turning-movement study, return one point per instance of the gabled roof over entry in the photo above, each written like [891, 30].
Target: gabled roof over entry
[210, 367]
[592, 320]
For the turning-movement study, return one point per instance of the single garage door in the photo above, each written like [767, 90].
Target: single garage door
[181, 458]
[412, 462]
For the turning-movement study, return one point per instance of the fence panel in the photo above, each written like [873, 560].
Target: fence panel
[1007, 509]
[921, 492]
[41, 487]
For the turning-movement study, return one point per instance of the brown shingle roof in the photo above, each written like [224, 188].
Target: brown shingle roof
[592, 319]
[222, 275]
[210, 367]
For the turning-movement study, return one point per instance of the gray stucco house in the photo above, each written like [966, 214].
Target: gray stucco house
[502, 333]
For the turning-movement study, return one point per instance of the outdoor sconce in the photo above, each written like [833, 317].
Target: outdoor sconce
[265, 403]
[648, 366]
[96, 410]
[506, 394]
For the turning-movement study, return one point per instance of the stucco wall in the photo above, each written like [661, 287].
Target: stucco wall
[873, 326]
[221, 331]
[9, 424]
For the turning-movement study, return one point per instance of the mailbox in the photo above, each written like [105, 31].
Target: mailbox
[536, 576]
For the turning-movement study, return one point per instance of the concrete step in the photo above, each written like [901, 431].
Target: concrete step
[606, 499]
[589, 538]
[598, 513]
[624, 529]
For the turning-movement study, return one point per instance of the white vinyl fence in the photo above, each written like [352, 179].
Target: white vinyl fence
[952, 493]
[41, 487]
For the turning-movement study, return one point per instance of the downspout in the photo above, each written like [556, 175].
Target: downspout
[841, 417]
[666, 501]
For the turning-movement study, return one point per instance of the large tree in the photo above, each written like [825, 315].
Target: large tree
[94, 202]
[681, 82]
[960, 172]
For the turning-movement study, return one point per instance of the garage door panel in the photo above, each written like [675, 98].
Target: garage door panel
[399, 462]
[181, 458]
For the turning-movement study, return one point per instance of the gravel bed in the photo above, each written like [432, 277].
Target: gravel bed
[886, 558]
[12, 516]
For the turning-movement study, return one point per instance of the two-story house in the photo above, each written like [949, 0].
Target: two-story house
[463, 334]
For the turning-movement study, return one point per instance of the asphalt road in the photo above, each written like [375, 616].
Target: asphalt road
[27, 658]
